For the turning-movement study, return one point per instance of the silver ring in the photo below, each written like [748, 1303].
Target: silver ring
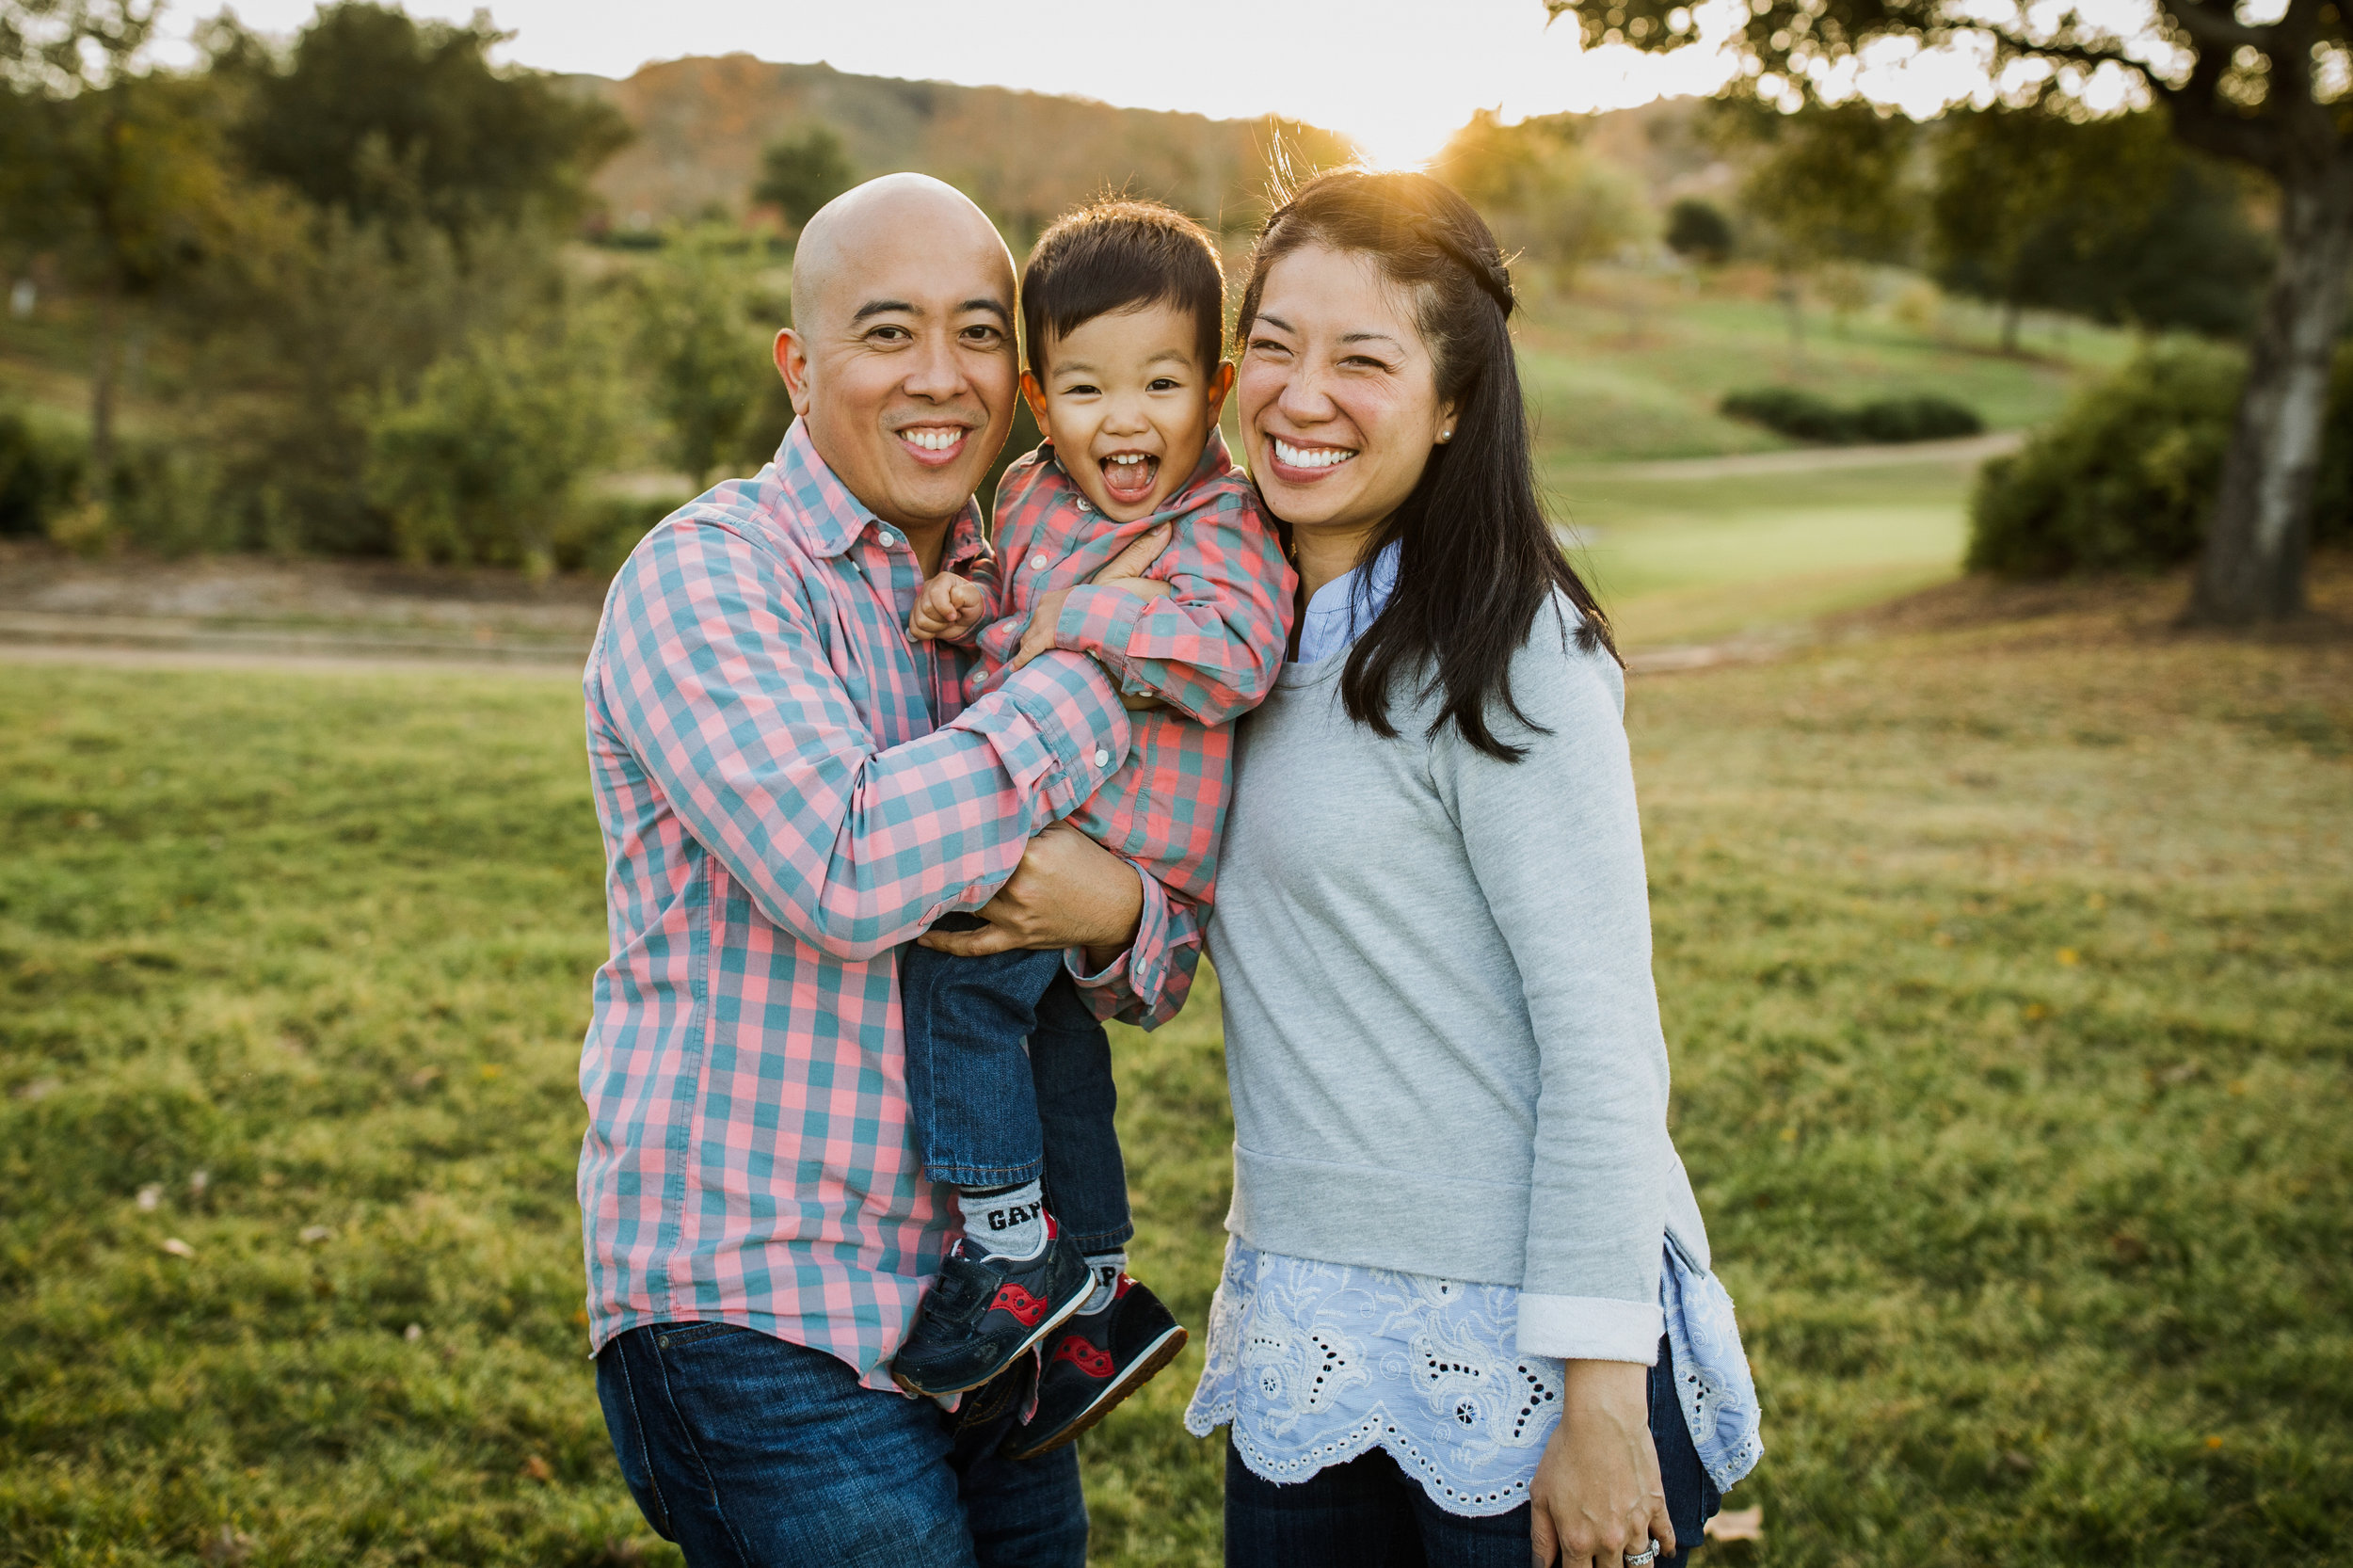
[1645, 1558]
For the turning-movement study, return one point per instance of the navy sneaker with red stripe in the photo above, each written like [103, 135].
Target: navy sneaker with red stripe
[986, 1312]
[1096, 1361]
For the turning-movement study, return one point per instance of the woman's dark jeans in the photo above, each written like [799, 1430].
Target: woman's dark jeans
[1369, 1514]
[986, 1113]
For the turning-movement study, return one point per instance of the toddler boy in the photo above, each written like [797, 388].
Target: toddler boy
[1123, 305]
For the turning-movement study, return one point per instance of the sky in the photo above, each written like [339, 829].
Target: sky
[1393, 75]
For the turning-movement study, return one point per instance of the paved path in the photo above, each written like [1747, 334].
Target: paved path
[1813, 459]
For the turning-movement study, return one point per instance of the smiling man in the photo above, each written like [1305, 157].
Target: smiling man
[790, 792]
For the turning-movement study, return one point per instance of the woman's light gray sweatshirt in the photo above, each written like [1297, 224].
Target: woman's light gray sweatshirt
[1440, 1026]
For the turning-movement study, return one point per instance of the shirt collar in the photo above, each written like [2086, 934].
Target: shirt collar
[1344, 607]
[829, 519]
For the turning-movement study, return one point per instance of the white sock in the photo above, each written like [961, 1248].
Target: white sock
[1008, 1222]
[1106, 1267]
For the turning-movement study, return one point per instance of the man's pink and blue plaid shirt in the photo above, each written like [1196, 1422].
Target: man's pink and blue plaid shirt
[789, 792]
[1210, 651]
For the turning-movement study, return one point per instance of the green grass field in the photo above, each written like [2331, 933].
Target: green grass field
[1686, 561]
[2005, 971]
[1633, 367]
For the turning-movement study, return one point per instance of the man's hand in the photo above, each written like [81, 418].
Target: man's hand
[1597, 1497]
[949, 607]
[1123, 571]
[1068, 891]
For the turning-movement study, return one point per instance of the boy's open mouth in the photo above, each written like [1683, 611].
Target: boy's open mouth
[1129, 475]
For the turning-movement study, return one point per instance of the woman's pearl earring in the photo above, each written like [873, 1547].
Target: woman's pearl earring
[1446, 434]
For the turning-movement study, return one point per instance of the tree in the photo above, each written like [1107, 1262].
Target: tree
[1696, 230]
[2266, 93]
[710, 363]
[2024, 198]
[111, 166]
[484, 463]
[802, 173]
[1834, 187]
[385, 119]
[1545, 196]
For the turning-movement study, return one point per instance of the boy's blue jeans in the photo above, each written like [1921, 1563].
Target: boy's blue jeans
[750, 1452]
[988, 1114]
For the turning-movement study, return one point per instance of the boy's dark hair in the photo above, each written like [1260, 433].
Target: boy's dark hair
[1118, 254]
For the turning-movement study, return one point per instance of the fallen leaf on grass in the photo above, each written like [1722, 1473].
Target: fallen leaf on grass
[1738, 1524]
[151, 1197]
[314, 1234]
[539, 1469]
[413, 1333]
[2069, 957]
[178, 1248]
[198, 1181]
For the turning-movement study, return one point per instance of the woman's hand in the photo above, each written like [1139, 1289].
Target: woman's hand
[1597, 1497]
[1068, 891]
[1123, 571]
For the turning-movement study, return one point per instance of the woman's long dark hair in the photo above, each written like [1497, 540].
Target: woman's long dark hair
[1477, 559]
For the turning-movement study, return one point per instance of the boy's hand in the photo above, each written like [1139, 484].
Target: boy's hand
[1123, 571]
[949, 607]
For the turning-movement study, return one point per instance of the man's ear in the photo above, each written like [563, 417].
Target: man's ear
[1036, 395]
[1221, 383]
[793, 364]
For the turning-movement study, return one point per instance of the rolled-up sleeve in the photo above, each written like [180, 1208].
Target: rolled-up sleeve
[1148, 985]
[724, 692]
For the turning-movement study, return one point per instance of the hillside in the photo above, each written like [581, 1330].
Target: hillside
[701, 124]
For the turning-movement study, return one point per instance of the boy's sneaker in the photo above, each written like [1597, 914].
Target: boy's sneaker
[987, 1311]
[1096, 1361]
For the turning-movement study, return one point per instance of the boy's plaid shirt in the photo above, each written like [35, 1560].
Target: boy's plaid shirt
[1210, 651]
[789, 792]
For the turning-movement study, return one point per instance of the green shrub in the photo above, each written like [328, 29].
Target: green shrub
[1810, 417]
[40, 473]
[2124, 479]
[1924, 418]
[485, 463]
[1802, 414]
[1698, 231]
[603, 529]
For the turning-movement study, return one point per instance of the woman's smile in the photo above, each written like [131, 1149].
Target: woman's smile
[1302, 463]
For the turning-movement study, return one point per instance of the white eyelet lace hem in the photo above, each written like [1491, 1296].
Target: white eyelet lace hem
[1312, 1364]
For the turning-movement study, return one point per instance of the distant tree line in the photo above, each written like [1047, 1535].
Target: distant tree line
[2110, 218]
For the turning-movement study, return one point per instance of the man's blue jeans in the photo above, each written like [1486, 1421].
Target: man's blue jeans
[750, 1452]
[988, 1112]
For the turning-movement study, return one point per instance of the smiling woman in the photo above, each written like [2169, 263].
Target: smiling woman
[1467, 1304]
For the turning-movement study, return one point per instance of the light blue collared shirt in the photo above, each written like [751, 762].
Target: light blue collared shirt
[1344, 607]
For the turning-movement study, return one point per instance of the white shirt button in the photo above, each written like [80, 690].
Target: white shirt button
[1083, 504]
[1102, 758]
[1037, 563]
[888, 538]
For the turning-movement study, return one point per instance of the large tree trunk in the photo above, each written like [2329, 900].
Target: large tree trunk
[2254, 568]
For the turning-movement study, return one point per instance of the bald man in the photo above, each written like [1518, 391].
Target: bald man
[790, 792]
